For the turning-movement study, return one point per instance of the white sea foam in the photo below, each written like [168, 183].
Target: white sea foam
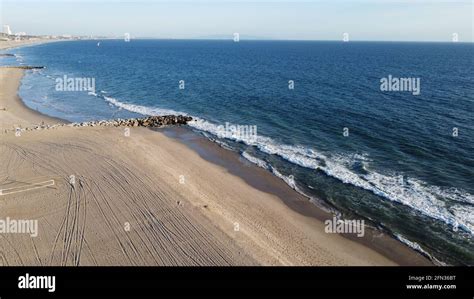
[219, 142]
[418, 248]
[466, 213]
[256, 161]
[408, 191]
[140, 109]
[290, 181]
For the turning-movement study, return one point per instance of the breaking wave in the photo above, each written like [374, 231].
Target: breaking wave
[353, 169]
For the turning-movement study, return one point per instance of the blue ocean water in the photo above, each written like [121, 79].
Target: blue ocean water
[399, 166]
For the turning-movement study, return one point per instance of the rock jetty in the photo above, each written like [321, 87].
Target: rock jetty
[23, 67]
[149, 122]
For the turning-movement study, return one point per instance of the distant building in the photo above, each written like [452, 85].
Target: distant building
[3, 36]
[7, 30]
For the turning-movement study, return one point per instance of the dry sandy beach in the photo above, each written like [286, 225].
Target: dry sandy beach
[13, 44]
[149, 199]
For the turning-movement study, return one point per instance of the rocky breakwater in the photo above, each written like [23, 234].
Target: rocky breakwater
[23, 67]
[148, 122]
[151, 121]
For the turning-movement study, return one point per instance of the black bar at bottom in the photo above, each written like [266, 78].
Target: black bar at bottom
[192, 282]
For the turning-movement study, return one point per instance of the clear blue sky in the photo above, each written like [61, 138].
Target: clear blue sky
[410, 20]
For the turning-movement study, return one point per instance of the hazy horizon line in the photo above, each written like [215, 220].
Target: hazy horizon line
[267, 39]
